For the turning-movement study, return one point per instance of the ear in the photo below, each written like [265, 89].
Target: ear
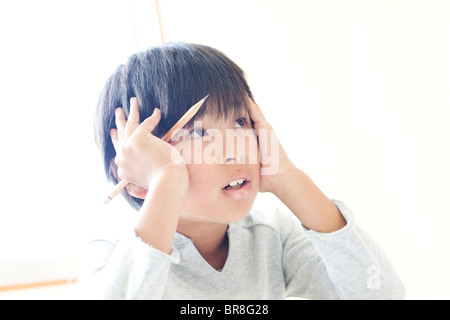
[132, 189]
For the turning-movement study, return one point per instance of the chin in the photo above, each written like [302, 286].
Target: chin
[222, 214]
[238, 210]
[223, 208]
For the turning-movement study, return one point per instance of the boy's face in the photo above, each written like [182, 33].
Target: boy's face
[222, 157]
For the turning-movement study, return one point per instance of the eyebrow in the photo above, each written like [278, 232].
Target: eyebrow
[234, 116]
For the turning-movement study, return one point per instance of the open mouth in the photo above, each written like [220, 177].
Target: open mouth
[235, 184]
[238, 187]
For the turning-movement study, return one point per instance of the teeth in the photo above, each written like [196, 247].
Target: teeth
[236, 182]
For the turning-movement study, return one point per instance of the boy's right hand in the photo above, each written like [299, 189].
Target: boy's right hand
[140, 156]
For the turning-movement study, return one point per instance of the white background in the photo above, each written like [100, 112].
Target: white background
[55, 58]
[358, 92]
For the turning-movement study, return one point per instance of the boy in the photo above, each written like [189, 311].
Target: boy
[197, 236]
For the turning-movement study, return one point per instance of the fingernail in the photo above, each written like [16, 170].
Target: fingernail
[133, 100]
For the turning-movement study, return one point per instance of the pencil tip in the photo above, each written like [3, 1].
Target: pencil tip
[205, 97]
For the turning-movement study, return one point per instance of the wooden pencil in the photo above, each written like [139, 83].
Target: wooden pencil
[167, 137]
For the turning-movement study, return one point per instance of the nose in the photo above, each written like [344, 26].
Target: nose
[232, 160]
[234, 147]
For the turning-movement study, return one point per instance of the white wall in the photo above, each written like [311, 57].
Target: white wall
[55, 57]
[358, 92]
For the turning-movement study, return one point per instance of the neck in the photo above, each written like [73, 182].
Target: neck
[210, 240]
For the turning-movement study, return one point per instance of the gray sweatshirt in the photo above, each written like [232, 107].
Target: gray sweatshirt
[271, 256]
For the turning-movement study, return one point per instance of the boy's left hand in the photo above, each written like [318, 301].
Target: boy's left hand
[275, 164]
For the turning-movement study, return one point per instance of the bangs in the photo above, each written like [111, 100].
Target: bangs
[195, 72]
[222, 107]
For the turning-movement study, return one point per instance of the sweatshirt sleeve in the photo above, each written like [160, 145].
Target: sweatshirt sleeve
[126, 268]
[345, 264]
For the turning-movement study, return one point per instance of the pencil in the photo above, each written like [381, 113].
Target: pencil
[167, 137]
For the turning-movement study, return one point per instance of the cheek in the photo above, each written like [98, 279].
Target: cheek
[200, 177]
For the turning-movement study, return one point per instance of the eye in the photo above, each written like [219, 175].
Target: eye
[197, 132]
[240, 123]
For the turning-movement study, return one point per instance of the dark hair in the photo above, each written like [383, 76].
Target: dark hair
[172, 77]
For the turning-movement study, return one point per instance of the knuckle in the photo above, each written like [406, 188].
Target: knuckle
[118, 160]
[121, 174]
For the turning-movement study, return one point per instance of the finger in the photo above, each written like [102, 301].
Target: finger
[133, 117]
[151, 122]
[121, 121]
[136, 191]
[114, 138]
[257, 117]
[255, 113]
